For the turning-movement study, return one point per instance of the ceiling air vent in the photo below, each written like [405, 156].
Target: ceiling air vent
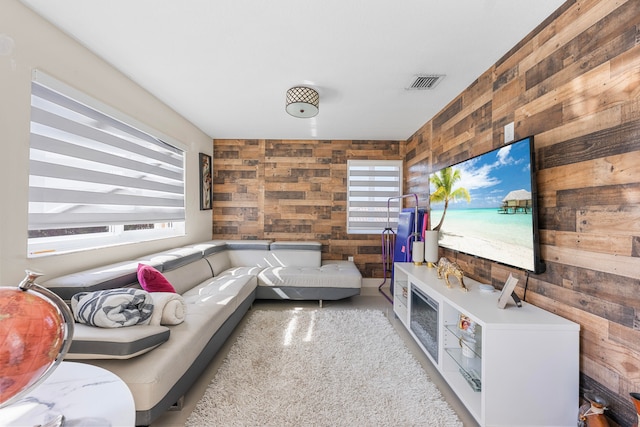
[425, 81]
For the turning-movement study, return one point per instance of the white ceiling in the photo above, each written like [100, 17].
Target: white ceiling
[226, 65]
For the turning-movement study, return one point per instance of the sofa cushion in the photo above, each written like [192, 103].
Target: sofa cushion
[187, 276]
[90, 342]
[228, 289]
[249, 253]
[296, 254]
[152, 280]
[219, 262]
[332, 274]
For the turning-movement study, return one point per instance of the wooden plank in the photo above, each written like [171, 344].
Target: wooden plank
[507, 98]
[599, 243]
[557, 218]
[610, 310]
[609, 220]
[564, 28]
[532, 124]
[619, 265]
[610, 287]
[609, 93]
[447, 113]
[587, 123]
[611, 170]
[621, 194]
[608, 142]
[576, 88]
[591, 47]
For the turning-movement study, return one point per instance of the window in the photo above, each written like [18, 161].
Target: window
[370, 184]
[96, 178]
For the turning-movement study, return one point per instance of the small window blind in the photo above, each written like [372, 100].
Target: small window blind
[370, 184]
[87, 168]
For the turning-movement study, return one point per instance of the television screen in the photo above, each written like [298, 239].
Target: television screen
[486, 206]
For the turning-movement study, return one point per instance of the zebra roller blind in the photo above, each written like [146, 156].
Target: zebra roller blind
[87, 168]
[370, 184]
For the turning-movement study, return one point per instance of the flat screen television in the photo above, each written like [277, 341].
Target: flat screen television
[491, 206]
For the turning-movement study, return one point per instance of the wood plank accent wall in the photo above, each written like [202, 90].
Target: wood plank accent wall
[294, 190]
[574, 84]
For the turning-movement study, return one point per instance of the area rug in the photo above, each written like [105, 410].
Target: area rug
[321, 368]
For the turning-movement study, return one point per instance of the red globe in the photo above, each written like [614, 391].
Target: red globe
[32, 332]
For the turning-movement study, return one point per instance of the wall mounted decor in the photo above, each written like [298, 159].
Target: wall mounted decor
[206, 190]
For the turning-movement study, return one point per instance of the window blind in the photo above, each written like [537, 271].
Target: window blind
[87, 168]
[370, 184]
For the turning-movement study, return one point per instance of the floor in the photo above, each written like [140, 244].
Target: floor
[370, 299]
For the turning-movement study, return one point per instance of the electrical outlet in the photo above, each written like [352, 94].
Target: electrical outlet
[350, 258]
[508, 132]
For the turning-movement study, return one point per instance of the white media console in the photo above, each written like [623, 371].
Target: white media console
[523, 369]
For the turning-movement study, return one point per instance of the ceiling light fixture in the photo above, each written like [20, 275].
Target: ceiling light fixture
[302, 102]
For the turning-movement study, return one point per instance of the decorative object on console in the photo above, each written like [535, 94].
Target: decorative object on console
[467, 339]
[302, 102]
[417, 254]
[206, 187]
[486, 287]
[446, 267]
[592, 413]
[36, 329]
[507, 291]
[431, 247]
[467, 325]
[468, 345]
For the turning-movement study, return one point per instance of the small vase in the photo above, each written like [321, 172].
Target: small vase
[417, 254]
[635, 398]
[431, 247]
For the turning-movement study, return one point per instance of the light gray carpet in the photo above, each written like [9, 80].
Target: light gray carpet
[321, 368]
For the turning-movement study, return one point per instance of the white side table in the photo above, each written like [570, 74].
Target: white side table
[85, 394]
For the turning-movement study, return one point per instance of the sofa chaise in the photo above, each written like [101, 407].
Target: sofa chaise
[218, 282]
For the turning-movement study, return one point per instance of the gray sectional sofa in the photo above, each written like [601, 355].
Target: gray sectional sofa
[218, 282]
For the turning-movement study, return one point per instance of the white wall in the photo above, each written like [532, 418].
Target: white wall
[37, 44]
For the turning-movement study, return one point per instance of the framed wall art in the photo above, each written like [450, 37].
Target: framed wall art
[206, 189]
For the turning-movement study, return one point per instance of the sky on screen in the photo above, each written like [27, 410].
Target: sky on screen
[491, 176]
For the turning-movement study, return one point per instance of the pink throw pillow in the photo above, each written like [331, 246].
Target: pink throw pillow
[152, 280]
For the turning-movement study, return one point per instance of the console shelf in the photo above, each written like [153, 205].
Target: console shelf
[522, 367]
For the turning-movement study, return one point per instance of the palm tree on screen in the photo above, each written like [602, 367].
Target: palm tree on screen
[444, 182]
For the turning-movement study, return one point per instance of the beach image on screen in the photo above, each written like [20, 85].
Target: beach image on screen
[497, 221]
